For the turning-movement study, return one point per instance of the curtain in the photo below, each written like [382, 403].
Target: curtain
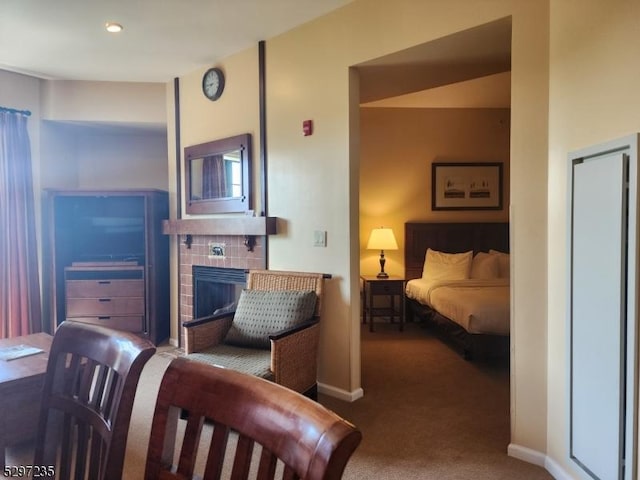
[20, 307]
[214, 182]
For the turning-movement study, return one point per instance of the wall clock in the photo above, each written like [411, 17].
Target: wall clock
[213, 83]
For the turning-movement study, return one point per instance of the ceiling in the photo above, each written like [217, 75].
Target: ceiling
[165, 39]
[468, 69]
[491, 91]
[161, 40]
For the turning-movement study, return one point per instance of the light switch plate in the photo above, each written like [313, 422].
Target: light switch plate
[319, 238]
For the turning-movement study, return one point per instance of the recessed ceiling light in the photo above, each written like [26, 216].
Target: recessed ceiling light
[113, 27]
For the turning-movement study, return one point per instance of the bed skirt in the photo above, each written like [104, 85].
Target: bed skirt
[471, 346]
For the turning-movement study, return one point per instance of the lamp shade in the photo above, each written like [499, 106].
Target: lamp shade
[382, 239]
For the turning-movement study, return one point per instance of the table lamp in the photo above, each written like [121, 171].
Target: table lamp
[382, 239]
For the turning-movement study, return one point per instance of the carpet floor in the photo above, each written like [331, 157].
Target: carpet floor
[429, 414]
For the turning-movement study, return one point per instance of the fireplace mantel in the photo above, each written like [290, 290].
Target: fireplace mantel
[245, 226]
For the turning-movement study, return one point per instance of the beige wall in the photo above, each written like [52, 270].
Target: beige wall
[235, 113]
[59, 161]
[594, 78]
[528, 219]
[76, 156]
[397, 148]
[118, 102]
[103, 135]
[122, 160]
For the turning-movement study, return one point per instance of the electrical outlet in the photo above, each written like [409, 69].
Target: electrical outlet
[216, 249]
[319, 238]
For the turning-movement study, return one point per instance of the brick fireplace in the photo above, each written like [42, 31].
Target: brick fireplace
[195, 236]
[236, 257]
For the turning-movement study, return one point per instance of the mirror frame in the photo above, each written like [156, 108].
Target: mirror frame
[226, 204]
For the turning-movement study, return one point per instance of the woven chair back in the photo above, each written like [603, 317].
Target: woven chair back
[285, 280]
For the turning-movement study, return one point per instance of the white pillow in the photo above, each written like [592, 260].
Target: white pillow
[503, 263]
[446, 266]
[485, 266]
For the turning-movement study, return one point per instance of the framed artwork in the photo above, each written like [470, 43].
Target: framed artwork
[466, 186]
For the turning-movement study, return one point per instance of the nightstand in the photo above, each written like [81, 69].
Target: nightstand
[391, 288]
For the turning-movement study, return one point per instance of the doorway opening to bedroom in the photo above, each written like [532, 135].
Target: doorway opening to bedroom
[443, 102]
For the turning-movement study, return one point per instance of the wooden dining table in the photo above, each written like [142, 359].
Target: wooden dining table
[21, 381]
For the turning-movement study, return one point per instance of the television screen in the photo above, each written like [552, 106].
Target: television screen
[101, 229]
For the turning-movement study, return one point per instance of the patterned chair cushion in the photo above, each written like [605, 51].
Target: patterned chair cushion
[250, 361]
[261, 313]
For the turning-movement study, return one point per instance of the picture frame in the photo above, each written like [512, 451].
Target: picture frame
[466, 186]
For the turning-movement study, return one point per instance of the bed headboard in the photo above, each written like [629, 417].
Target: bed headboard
[451, 238]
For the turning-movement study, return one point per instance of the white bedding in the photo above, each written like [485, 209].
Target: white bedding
[478, 305]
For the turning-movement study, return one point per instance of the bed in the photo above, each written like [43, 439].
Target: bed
[458, 284]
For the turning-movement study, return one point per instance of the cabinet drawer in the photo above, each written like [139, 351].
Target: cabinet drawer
[78, 307]
[130, 323]
[105, 288]
[386, 288]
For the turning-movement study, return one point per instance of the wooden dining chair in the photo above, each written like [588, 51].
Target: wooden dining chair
[89, 388]
[259, 429]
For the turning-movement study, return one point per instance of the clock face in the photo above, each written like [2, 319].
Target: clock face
[213, 83]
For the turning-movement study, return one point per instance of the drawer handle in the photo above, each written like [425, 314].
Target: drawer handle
[104, 318]
[104, 299]
[104, 282]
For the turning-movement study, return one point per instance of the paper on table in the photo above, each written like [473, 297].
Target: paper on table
[18, 351]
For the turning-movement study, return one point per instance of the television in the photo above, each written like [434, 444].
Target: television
[100, 229]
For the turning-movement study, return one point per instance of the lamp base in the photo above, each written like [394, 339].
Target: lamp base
[382, 273]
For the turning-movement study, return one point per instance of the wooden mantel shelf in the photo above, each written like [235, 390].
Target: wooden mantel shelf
[221, 226]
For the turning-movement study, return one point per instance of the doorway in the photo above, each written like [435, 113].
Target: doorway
[447, 100]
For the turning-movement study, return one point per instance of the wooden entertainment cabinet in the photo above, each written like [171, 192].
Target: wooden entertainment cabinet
[106, 260]
[106, 294]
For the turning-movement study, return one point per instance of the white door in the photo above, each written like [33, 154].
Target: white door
[601, 315]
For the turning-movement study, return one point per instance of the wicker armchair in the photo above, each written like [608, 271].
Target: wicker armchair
[287, 357]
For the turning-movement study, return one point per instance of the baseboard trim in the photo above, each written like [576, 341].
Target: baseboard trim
[526, 454]
[556, 470]
[339, 393]
[537, 458]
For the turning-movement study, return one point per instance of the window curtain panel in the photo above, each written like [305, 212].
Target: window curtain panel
[20, 306]
[214, 178]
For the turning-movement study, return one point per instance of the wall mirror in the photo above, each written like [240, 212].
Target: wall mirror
[217, 175]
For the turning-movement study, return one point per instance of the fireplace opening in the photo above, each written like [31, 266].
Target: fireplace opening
[216, 289]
